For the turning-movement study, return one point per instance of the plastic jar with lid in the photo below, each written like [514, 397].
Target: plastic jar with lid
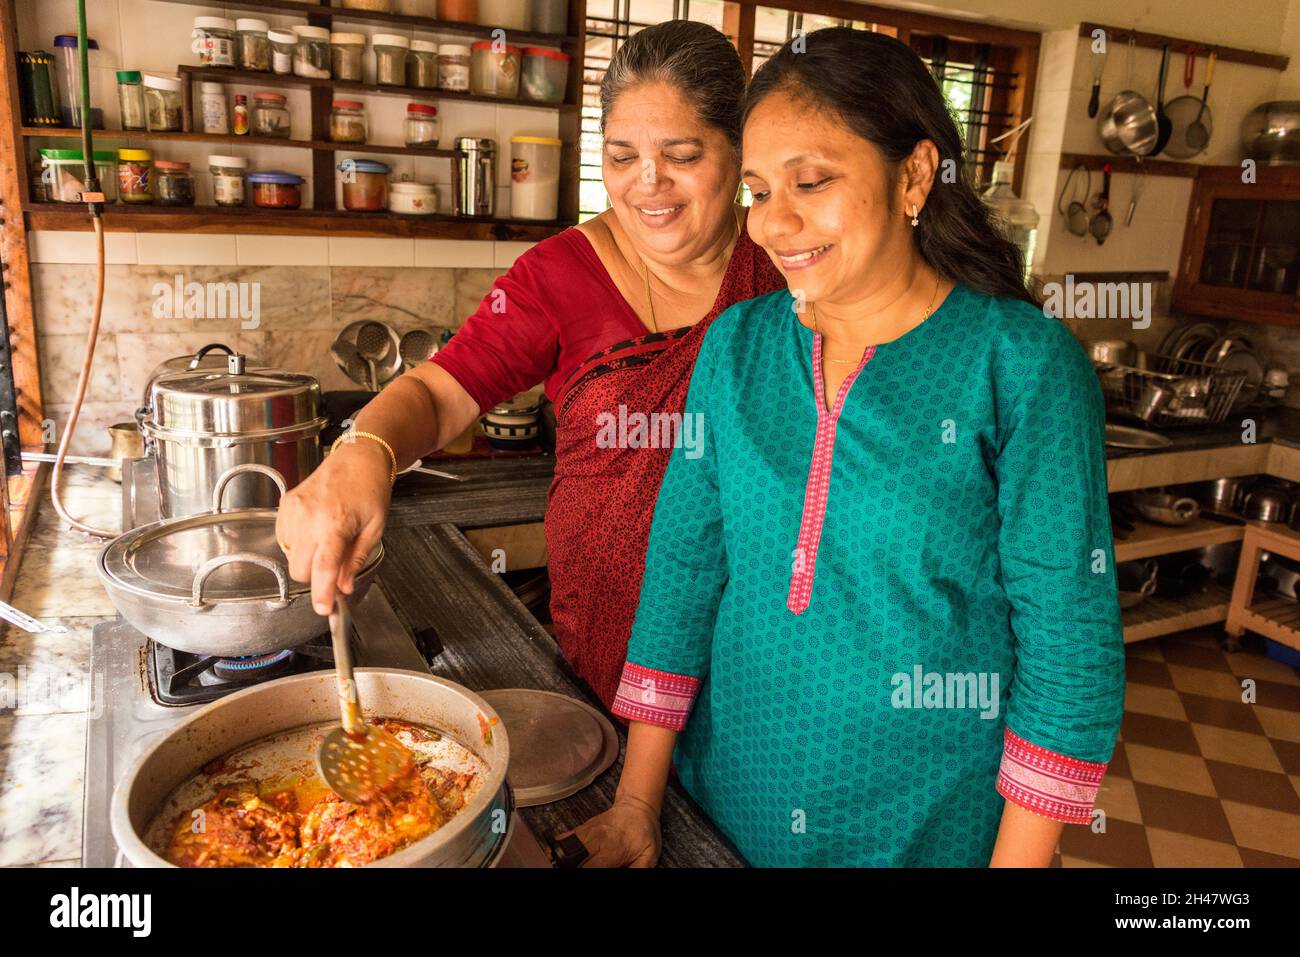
[311, 57]
[213, 39]
[390, 58]
[63, 174]
[545, 74]
[422, 65]
[423, 128]
[254, 44]
[227, 179]
[68, 77]
[347, 55]
[365, 185]
[453, 67]
[135, 176]
[276, 189]
[130, 99]
[534, 177]
[414, 199]
[493, 72]
[511, 14]
[173, 184]
[214, 114]
[284, 43]
[270, 115]
[162, 103]
[348, 122]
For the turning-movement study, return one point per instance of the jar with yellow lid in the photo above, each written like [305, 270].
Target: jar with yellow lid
[135, 176]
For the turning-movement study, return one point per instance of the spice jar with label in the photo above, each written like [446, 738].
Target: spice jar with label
[173, 184]
[422, 125]
[254, 44]
[347, 54]
[422, 65]
[270, 115]
[283, 45]
[227, 179]
[493, 71]
[130, 99]
[212, 106]
[453, 67]
[213, 39]
[365, 185]
[135, 176]
[276, 189]
[311, 57]
[162, 103]
[390, 58]
[241, 115]
[348, 122]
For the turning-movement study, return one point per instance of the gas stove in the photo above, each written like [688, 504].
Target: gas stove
[144, 689]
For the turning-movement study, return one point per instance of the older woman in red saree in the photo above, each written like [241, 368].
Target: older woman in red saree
[609, 316]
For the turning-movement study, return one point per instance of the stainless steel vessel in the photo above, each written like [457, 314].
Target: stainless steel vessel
[199, 424]
[473, 838]
[476, 178]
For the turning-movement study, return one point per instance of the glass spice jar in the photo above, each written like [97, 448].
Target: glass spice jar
[227, 179]
[173, 184]
[365, 185]
[284, 43]
[213, 39]
[135, 176]
[270, 115]
[348, 122]
[276, 189]
[494, 72]
[453, 67]
[422, 125]
[254, 44]
[311, 57]
[422, 65]
[347, 54]
[162, 103]
[130, 99]
[390, 58]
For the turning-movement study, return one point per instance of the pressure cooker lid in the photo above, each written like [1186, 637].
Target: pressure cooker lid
[558, 745]
[238, 550]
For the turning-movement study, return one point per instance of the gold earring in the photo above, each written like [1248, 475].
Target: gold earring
[915, 213]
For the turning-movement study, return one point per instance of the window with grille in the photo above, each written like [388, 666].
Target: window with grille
[984, 72]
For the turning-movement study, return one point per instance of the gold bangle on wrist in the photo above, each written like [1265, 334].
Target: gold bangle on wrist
[392, 456]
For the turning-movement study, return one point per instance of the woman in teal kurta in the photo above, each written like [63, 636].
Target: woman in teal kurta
[878, 610]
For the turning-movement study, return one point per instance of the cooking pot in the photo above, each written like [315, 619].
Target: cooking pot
[1270, 133]
[200, 423]
[475, 837]
[1128, 126]
[216, 583]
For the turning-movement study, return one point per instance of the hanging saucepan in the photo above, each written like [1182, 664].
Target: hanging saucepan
[1128, 124]
[215, 583]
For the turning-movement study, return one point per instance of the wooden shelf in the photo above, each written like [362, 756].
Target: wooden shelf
[233, 140]
[324, 13]
[1158, 615]
[1131, 164]
[1118, 37]
[289, 222]
[1149, 539]
[1275, 617]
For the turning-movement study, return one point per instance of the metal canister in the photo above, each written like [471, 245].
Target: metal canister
[475, 193]
[199, 424]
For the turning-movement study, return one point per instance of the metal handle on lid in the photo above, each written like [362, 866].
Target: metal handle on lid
[212, 564]
[219, 491]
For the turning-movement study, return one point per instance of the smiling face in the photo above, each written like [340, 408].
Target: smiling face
[670, 177]
[826, 207]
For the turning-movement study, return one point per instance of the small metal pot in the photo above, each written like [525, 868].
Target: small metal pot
[1128, 125]
[1267, 503]
[475, 837]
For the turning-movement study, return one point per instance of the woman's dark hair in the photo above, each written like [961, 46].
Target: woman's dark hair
[695, 59]
[885, 94]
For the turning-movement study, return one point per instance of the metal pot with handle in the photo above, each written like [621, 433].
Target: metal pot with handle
[216, 583]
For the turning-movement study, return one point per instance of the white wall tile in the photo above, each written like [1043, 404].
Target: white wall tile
[282, 250]
[57, 246]
[186, 249]
[454, 254]
[505, 254]
[348, 251]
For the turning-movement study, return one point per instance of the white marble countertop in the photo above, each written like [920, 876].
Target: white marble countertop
[46, 687]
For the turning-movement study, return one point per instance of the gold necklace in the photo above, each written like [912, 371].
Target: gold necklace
[928, 310]
[645, 275]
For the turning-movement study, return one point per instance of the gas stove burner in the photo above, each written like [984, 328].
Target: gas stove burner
[252, 666]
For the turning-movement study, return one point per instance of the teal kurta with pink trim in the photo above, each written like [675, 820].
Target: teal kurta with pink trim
[876, 622]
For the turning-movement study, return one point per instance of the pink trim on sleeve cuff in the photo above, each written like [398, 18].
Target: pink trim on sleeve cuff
[1049, 784]
[655, 697]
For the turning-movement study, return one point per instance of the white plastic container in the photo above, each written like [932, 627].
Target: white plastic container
[214, 112]
[414, 199]
[534, 177]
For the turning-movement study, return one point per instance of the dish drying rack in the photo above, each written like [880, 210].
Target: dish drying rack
[1208, 392]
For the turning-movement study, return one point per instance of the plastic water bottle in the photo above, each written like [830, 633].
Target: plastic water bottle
[1014, 217]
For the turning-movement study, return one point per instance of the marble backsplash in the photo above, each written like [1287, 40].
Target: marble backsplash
[300, 310]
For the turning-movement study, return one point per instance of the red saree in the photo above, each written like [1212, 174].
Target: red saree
[597, 359]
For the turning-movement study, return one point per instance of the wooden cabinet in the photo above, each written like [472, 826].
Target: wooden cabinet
[1241, 248]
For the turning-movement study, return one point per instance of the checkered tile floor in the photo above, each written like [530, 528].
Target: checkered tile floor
[1199, 778]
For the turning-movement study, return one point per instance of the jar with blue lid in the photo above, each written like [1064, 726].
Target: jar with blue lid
[276, 189]
[365, 185]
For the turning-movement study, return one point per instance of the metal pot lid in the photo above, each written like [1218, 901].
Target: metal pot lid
[234, 402]
[210, 558]
[558, 745]
[520, 405]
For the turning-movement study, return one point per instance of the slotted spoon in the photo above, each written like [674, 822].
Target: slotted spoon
[358, 761]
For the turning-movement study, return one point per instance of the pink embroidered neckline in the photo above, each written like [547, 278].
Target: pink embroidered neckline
[818, 487]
